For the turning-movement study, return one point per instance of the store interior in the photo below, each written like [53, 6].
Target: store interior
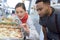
[7, 8]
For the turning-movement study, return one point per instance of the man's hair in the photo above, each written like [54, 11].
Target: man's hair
[44, 1]
[20, 5]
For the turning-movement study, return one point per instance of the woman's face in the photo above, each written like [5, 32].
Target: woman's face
[20, 12]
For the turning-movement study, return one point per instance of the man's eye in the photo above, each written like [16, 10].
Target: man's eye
[39, 9]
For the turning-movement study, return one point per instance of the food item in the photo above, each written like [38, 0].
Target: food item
[7, 30]
[6, 22]
[10, 33]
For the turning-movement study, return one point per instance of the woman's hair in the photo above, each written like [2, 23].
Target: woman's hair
[20, 5]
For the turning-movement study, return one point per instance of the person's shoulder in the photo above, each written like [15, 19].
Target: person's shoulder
[57, 11]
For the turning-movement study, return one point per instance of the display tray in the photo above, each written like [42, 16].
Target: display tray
[9, 30]
[11, 34]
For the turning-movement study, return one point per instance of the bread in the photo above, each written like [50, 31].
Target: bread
[11, 33]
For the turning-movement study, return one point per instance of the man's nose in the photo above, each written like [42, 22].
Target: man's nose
[39, 12]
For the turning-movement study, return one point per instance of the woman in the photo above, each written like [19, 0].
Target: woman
[26, 22]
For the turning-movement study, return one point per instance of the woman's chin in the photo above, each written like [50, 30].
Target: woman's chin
[20, 17]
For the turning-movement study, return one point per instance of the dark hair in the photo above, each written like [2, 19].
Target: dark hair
[20, 5]
[44, 1]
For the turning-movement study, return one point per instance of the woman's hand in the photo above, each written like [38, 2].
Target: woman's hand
[25, 27]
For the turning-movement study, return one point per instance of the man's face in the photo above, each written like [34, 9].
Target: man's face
[20, 12]
[42, 9]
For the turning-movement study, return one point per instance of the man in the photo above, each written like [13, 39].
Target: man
[49, 19]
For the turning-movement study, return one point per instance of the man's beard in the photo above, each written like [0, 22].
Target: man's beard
[45, 15]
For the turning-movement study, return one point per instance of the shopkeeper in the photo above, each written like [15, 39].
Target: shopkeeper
[26, 22]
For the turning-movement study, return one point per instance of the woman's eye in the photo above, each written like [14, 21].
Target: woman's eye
[21, 11]
[17, 12]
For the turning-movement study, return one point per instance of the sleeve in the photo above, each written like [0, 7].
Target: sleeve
[33, 32]
[41, 34]
[58, 20]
